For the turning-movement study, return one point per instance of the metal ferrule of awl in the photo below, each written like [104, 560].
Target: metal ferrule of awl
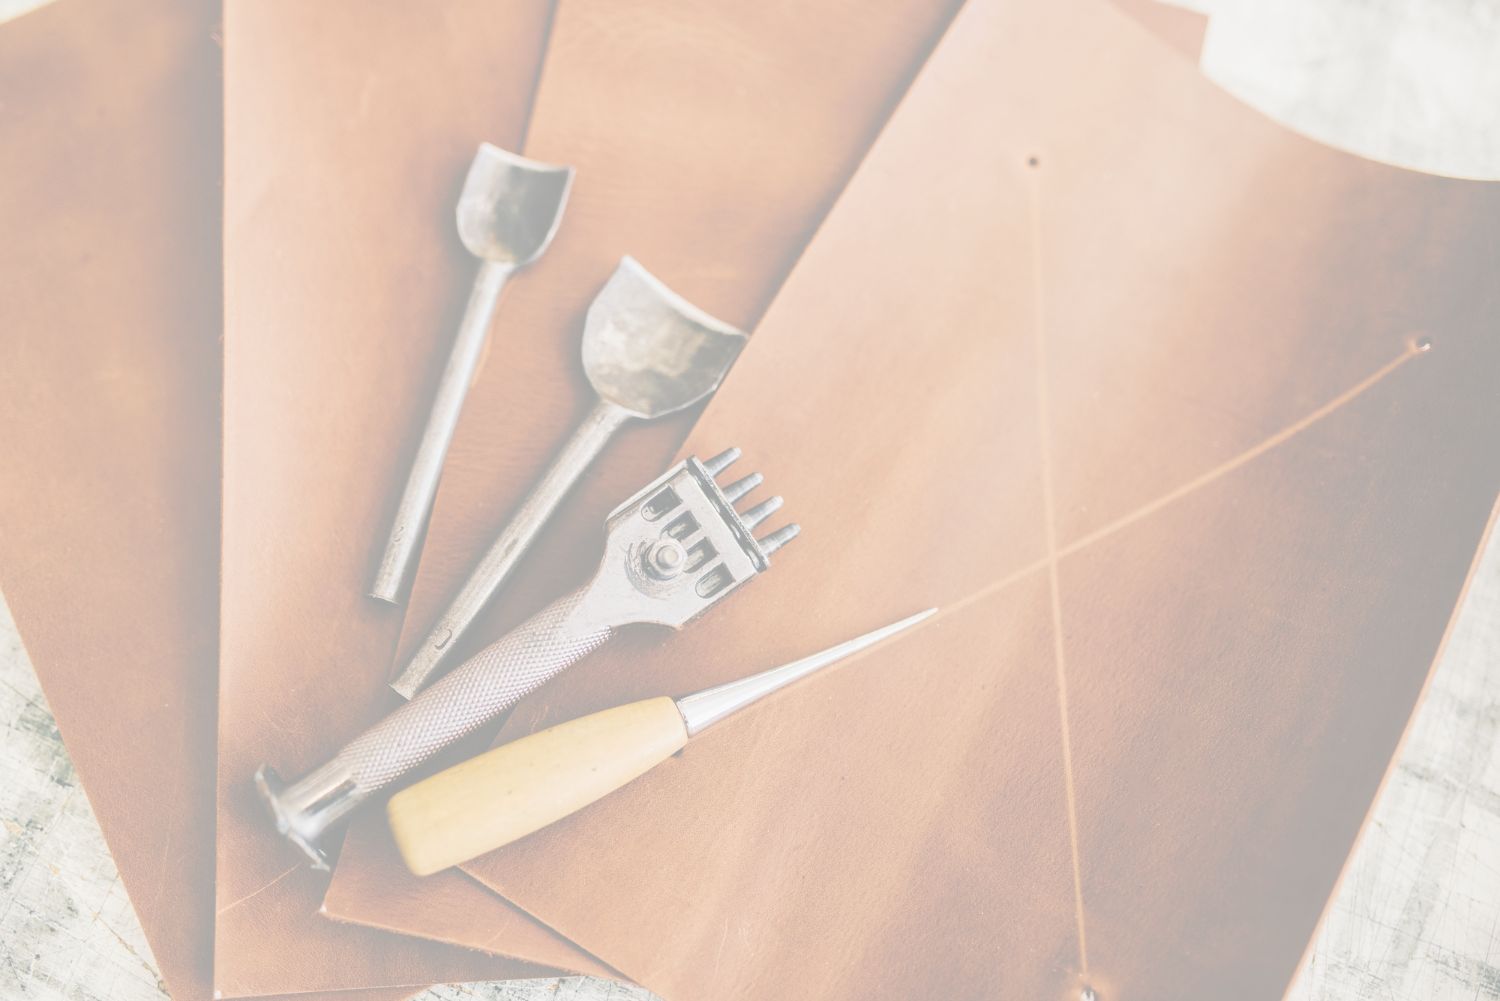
[671, 552]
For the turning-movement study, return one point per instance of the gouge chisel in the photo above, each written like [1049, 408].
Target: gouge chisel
[647, 352]
[507, 213]
[671, 552]
[505, 794]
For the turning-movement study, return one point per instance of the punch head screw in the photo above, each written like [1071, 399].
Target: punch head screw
[665, 560]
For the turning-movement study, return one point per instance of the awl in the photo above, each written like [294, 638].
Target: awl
[514, 790]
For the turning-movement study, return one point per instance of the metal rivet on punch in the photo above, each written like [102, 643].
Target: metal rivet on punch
[665, 560]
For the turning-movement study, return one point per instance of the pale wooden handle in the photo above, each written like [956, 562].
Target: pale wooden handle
[489, 801]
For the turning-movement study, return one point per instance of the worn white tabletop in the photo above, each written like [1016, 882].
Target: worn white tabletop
[1417, 914]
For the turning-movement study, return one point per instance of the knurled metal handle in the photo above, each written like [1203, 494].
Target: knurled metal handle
[473, 694]
[505, 553]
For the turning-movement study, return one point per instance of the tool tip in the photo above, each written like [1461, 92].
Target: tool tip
[884, 632]
[910, 620]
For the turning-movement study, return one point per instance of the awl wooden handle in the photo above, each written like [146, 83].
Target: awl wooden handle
[507, 793]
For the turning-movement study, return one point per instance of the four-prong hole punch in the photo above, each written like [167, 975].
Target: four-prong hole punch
[689, 533]
[672, 550]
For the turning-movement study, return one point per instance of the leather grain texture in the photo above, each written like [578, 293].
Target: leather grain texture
[1180, 27]
[1132, 382]
[710, 138]
[347, 139]
[109, 430]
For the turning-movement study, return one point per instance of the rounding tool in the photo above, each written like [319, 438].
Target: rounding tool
[505, 794]
[507, 213]
[672, 551]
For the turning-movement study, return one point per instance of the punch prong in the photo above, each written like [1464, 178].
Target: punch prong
[742, 486]
[721, 462]
[761, 511]
[779, 538]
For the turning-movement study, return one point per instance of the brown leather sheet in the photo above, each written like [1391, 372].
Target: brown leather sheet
[347, 138]
[1182, 28]
[1132, 382]
[109, 429]
[710, 139]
